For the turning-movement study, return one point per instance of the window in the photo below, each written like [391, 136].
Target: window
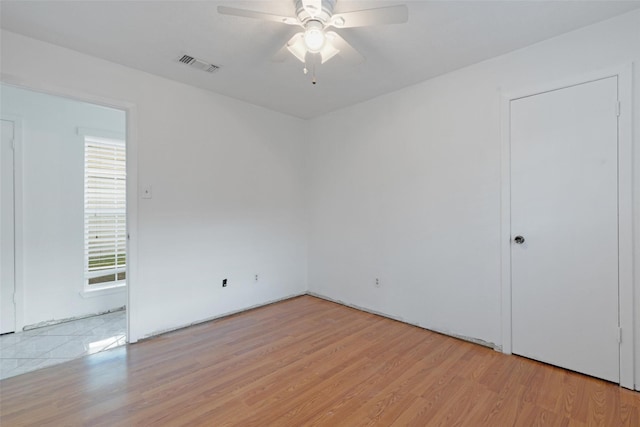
[105, 228]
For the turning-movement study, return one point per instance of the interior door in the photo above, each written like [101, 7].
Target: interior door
[7, 253]
[564, 226]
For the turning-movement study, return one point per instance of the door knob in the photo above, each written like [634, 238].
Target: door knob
[519, 240]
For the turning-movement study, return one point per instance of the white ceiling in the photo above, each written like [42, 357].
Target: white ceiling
[440, 36]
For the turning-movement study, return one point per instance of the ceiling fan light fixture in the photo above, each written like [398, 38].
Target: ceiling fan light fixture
[328, 52]
[314, 37]
[297, 47]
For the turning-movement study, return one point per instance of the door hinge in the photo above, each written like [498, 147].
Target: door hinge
[619, 335]
[13, 144]
[618, 108]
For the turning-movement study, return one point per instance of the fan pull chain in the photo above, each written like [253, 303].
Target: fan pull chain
[313, 75]
[305, 70]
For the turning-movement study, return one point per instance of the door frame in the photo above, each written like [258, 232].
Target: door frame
[18, 284]
[625, 208]
[130, 110]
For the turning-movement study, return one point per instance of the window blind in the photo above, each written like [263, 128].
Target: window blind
[105, 228]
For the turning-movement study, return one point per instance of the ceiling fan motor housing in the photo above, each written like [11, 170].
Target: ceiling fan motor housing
[323, 16]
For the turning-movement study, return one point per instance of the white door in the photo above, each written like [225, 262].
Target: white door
[564, 204]
[7, 273]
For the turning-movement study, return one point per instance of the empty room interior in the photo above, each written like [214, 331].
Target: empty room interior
[320, 212]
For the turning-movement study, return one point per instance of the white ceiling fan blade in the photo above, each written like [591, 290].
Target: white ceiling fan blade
[346, 51]
[312, 7]
[224, 10]
[363, 18]
[297, 47]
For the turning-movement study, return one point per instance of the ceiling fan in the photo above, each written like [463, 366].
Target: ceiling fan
[316, 43]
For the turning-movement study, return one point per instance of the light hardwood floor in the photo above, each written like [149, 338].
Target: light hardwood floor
[305, 362]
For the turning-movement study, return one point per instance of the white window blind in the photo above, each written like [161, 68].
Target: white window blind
[105, 228]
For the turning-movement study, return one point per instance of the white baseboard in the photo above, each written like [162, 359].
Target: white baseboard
[388, 316]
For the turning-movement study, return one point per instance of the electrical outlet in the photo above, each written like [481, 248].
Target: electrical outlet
[377, 283]
[224, 283]
[256, 277]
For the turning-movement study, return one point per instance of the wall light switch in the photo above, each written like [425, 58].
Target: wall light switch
[146, 192]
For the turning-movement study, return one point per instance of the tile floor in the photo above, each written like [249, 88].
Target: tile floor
[37, 348]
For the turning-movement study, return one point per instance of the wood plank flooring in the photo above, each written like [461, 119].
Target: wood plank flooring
[310, 362]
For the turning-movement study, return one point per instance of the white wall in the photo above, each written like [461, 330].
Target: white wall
[228, 198]
[53, 203]
[406, 187]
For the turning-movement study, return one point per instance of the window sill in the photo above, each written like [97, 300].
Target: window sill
[104, 290]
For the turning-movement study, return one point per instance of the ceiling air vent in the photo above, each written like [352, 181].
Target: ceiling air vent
[198, 64]
[186, 59]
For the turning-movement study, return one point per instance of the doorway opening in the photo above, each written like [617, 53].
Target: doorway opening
[65, 271]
